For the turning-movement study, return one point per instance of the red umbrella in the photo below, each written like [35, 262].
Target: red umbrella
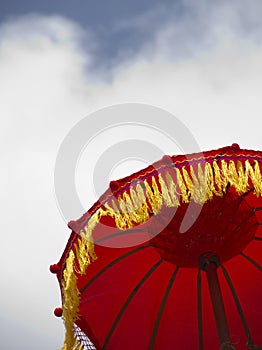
[169, 258]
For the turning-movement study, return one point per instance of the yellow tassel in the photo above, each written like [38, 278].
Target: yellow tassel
[255, 176]
[133, 206]
[128, 202]
[124, 210]
[153, 201]
[70, 302]
[164, 191]
[225, 174]
[76, 346]
[210, 176]
[243, 179]
[153, 195]
[188, 184]
[205, 186]
[140, 204]
[220, 179]
[182, 187]
[157, 195]
[82, 254]
[172, 191]
[116, 215]
[84, 249]
[232, 174]
[202, 185]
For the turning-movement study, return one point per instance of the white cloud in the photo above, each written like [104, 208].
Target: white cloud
[47, 85]
[42, 87]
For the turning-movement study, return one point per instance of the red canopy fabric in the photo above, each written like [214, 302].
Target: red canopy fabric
[170, 258]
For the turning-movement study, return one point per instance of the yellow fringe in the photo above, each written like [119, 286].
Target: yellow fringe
[171, 187]
[199, 184]
[255, 176]
[140, 206]
[84, 254]
[76, 346]
[84, 249]
[135, 205]
[153, 197]
[182, 185]
[70, 302]
[220, 179]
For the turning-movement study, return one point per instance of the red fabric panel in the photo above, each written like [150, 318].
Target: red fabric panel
[180, 314]
[102, 300]
[134, 331]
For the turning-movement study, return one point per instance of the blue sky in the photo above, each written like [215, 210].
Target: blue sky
[102, 18]
[59, 62]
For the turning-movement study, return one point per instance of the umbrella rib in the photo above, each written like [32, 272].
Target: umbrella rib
[238, 305]
[199, 310]
[112, 264]
[258, 208]
[247, 193]
[258, 238]
[119, 233]
[161, 308]
[130, 297]
[252, 261]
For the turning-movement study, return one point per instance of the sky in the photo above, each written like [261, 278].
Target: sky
[59, 64]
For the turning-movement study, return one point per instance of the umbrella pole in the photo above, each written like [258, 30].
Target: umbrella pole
[218, 305]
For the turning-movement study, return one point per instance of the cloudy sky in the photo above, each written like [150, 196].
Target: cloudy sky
[59, 62]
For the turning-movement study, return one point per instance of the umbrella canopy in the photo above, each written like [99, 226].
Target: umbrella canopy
[169, 258]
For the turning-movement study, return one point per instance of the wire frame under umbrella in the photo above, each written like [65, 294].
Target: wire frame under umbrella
[83, 339]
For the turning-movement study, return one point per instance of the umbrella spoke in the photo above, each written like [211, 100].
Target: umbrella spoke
[130, 297]
[161, 309]
[247, 192]
[252, 261]
[258, 208]
[256, 238]
[238, 306]
[114, 262]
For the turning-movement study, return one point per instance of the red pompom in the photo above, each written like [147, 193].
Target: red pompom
[235, 146]
[114, 185]
[58, 312]
[54, 268]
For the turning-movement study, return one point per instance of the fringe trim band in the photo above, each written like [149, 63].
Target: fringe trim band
[134, 206]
